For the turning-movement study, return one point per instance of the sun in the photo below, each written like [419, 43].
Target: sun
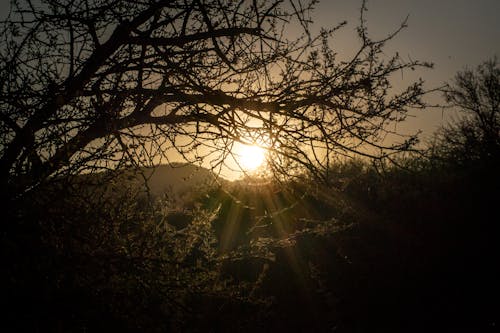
[250, 157]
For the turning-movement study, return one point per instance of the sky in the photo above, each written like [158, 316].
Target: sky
[452, 34]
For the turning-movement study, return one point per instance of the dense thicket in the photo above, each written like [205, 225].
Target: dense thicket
[392, 249]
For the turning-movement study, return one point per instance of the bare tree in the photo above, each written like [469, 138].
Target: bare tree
[475, 94]
[92, 84]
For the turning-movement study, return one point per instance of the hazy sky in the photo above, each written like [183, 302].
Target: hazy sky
[450, 33]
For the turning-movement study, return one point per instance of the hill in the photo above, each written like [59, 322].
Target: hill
[173, 178]
[169, 180]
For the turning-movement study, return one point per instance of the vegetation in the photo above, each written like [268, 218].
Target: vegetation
[95, 240]
[475, 135]
[379, 247]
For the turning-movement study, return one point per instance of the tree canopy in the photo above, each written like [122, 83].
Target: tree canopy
[93, 84]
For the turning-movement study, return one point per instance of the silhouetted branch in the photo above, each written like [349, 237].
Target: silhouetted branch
[207, 72]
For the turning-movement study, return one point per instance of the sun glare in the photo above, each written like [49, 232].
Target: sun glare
[251, 157]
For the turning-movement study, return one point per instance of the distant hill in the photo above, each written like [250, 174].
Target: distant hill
[174, 178]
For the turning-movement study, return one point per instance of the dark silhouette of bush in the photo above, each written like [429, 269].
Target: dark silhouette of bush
[376, 249]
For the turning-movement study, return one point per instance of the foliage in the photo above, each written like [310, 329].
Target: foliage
[112, 259]
[114, 255]
[105, 85]
[109, 256]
